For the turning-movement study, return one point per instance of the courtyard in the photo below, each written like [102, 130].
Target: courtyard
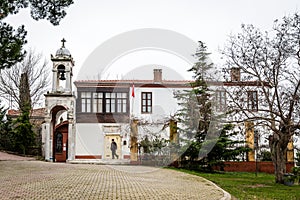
[30, 179]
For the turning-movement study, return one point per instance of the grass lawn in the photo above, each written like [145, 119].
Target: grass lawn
[242, 185]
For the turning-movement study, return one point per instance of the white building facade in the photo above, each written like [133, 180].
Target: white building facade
[106, 110]
[81, 128]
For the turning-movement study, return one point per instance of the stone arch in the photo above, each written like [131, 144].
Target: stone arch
[59, 134]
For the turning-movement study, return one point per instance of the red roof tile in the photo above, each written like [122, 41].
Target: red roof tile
[38, 112]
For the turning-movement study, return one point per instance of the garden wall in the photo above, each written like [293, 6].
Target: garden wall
[250, 166]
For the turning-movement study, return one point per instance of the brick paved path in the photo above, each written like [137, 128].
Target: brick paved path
[42, 180]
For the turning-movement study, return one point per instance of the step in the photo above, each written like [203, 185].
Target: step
[101, 161]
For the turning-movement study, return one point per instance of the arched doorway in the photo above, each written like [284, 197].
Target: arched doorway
[60, 129]
[60, 144]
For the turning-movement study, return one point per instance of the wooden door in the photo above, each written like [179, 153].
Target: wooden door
[61, 146]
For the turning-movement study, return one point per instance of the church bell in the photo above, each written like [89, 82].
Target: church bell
[61, 74]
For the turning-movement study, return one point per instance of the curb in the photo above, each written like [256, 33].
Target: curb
[226, 196]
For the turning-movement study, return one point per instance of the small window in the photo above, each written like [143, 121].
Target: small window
[85, 102]
[110, 102]
[146, 102]
[220, 100]
[121, 102]
[252, 100]
[97, 102]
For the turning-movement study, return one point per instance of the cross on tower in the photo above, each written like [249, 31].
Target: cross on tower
[63, 42]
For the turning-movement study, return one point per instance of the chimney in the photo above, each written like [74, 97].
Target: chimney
[235, 74]
[157, 75]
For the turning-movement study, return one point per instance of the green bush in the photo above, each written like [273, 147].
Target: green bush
[265, 156]
[296, 172]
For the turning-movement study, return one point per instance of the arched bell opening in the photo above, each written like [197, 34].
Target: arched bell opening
[61, 69]
[61, 77]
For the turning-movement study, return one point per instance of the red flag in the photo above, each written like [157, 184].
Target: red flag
[132, 91]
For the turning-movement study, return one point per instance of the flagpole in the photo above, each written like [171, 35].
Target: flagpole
[132, 96]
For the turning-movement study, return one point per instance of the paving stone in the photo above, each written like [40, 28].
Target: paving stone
[44, 180]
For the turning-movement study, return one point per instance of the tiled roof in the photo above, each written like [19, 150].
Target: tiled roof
[137, 83]
[39, 112]
[133, 81]
[128, 83]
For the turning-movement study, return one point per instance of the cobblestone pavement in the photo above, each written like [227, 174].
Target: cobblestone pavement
[43, 180]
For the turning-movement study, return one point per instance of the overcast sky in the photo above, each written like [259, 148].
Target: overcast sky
[89, 24]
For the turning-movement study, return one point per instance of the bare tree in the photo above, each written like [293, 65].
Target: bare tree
[269, 62]
[32, 67]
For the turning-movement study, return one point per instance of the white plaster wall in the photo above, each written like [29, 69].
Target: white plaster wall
[164, 104]
[89, 139]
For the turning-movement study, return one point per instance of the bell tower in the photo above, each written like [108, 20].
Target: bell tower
[62, 70]
[59, 128]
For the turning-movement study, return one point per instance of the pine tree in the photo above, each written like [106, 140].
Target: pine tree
[207, 141]
[7, 140]
[227, 148]
[201, 90]
[24, 137]
[23, 134]
[195, 108]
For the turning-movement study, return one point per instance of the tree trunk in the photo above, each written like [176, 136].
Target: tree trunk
[278, 151]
